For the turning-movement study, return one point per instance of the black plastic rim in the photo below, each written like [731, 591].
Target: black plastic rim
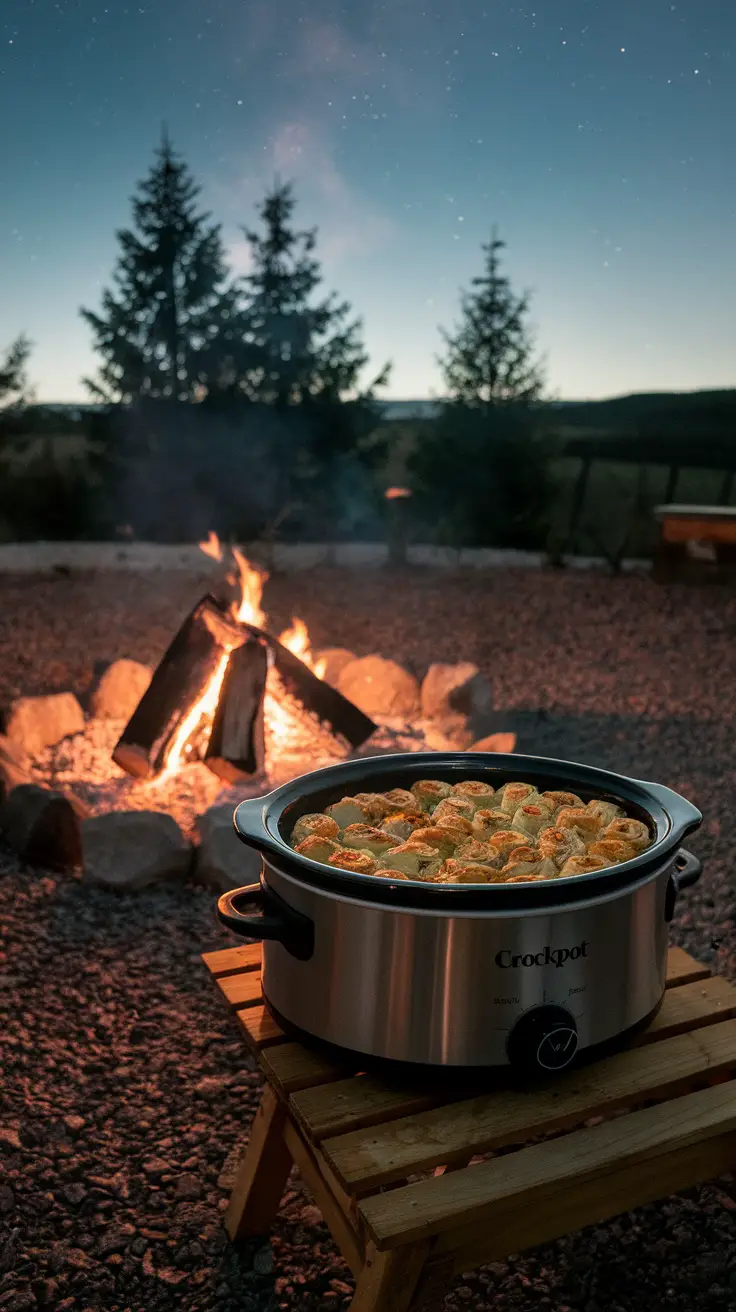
[266, 822]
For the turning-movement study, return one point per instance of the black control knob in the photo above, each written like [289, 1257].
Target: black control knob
[543, 1039]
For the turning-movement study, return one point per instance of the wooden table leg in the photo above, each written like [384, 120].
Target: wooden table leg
[388, 1280]
[262, 1174]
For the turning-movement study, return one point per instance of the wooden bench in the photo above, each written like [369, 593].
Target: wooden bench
[698, 534]
[389, 1165]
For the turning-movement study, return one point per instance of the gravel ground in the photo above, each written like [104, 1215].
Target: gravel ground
[127, 1091]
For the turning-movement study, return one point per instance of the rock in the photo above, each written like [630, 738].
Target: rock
[116, 1237]
[132, 849]
[119, 690]
[12, 772]
[449, 691]
[380, 687]
[155, 1166]
[13, 775]
[7, 1198]
[35, 723]
[188, 1189]
[450, 734]
[310, 1215]
[18, 1300]
[42, 828]
[263, 1262]
[495, 742]
[340, 1287]
[211, 1086]
[335, 659]
[46, 1292]
[222, 861]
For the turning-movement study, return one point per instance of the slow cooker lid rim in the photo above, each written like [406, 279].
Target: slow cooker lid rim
[282, 799]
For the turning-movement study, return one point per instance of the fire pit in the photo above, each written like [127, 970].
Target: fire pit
[229, 711]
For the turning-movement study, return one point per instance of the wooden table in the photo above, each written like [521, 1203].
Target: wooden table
[578, 1150]
[692, 535]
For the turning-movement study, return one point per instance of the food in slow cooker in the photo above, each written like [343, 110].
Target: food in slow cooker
[470, 833]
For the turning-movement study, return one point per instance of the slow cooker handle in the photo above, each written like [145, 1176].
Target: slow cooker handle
[688, 869]
[250, 826]
[685, 817]
[277, 922]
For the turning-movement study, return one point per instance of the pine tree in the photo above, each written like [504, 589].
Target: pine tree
[166, 329]
[489, 358]
[13, 376]
[296, 349]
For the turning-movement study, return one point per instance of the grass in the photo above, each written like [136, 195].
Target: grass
[618, 511]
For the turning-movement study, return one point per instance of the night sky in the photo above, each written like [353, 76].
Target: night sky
[599, 137]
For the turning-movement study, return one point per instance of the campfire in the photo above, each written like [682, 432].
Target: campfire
[158, 759]
[229, 694]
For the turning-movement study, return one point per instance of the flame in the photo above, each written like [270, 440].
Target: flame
[199, 718]
[248, 609]
[296, 640]
[397, 493]
[212, 546]
[200, 715]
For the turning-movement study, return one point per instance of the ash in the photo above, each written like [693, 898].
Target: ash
[84, 764]
[295, 744]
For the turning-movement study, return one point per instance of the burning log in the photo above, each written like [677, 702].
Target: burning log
[180, 715]
[236, 745]
[205, 701]
[316, 698]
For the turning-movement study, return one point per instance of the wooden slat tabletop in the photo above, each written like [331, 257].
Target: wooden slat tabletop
[554, 1187]
[372, 1131]
[364, 1160]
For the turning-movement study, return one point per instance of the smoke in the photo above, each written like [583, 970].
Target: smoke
[246, 471]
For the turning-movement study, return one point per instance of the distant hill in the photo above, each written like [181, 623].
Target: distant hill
[643, 411]
[620, 414]
[617, 413]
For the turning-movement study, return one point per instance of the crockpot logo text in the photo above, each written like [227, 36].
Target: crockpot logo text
[546, 957]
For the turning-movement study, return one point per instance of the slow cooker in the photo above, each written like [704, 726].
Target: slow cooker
[530, 976]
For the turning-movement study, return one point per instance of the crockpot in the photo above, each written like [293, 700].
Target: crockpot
[532, 976]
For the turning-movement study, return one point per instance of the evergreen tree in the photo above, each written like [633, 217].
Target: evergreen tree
[166, 329]
[13, 375]
[296, 349]
[489, 358]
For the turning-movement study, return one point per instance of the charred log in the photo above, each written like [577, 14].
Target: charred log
[185, 672]
[317, 698]
[211, 646]
[236, 748]
[42, 828]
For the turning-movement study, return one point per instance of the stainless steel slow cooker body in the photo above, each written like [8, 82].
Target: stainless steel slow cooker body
[530, 976]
